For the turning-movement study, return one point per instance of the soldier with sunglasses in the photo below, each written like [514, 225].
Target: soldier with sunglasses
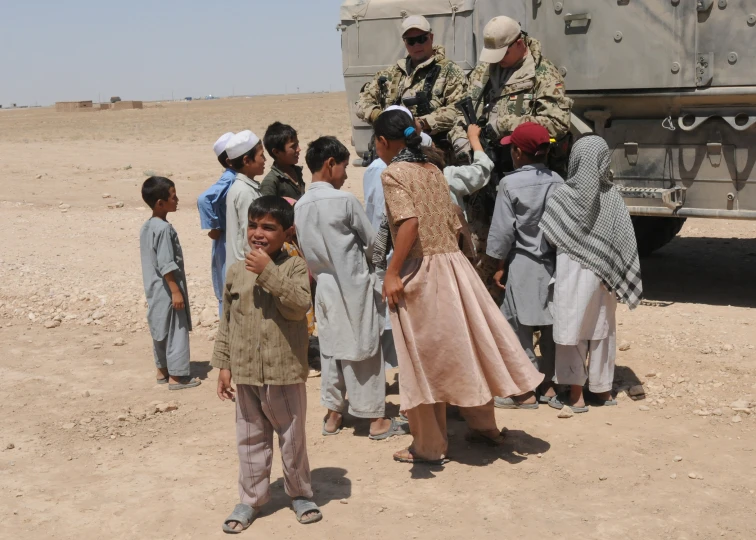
[426, 82]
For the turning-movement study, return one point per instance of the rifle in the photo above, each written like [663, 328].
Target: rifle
[421, 101]
[382, 91]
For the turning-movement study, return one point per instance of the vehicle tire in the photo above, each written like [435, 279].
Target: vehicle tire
[653, 232]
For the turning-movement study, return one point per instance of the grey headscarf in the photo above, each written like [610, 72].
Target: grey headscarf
[587, 218]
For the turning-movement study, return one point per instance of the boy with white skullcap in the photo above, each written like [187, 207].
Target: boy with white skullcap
[212, 210]
[247, 159]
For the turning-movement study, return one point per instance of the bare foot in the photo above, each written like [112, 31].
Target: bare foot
[549, 392]
[379, 426]
[576, 396]
[333, 421]
[603, 396]
[162, 373]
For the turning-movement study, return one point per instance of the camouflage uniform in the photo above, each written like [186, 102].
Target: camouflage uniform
[450, 86]
[533, 93]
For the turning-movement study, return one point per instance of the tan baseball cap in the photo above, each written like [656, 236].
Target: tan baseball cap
[498, 35]
[415, 21]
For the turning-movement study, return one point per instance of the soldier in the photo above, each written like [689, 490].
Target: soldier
[425, 82]
[513, 84]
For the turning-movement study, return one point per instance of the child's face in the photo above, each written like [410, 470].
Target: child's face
[254, 167]
[290, 154]
[171, 204]
[266, 233]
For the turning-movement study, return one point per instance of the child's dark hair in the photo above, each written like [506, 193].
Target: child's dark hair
[238, 163]
[222, 159]
[156, 188]
[398, 126]
[321, 150]
[277, 136]
[274, 206]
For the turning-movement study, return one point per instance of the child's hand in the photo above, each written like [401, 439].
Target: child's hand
[225, 390]
[498, 277]
[473, 132]
[393, 290]
[178, 300]
[214, 234]
[256, 261]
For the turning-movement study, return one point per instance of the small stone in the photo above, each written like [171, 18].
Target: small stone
[344, 501]
[10, 446]
[624, 346]
[692, 476]
[650, 375]
[85, 420]
[644, 408]
[702, 412]
[565, 412]
[678, 458]
[107, 362]
[603, 477]
[119, 342]
[727, 347]
[69, 425]
[740, 404]
[52, 324]
[410, 515]
[717, 412]
[85, 393]
[106, 195]
[706, 350]
[38, 177]
[64, 206]
[736, 419]
[97, 315]
[122, 417]
[117, 204]
[539, 456]
[673, 476]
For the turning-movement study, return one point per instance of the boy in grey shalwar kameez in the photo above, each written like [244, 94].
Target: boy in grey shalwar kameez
[336, 240]
[168, 313]
[515, 238]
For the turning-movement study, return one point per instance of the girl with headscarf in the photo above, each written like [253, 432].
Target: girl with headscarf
[453, 344]
[597, 265]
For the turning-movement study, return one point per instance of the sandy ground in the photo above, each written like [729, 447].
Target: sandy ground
[84, 455]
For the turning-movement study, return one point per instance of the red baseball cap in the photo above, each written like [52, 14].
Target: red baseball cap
[529, 137]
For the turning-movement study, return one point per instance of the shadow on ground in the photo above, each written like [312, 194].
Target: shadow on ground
[713, 271]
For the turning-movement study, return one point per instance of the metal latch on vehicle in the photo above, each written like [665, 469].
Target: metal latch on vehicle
[673, 198]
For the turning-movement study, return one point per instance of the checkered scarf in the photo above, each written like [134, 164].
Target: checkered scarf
[588, 219]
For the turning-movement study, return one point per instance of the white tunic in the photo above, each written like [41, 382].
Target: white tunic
[583, 308]
[336, 239]
[241, 194]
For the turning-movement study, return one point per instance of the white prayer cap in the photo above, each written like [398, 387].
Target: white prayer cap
[241, 143]
[427, 140]
[220, 145]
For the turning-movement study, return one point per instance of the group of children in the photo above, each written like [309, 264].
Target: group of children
[563, 246]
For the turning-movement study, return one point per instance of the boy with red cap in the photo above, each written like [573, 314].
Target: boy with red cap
[516, 240]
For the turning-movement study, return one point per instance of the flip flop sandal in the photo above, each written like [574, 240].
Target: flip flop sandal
[164, 380]
[475, 436]
[558, 403]
[544, 399]
[403, 418]
[396, 429]
[510, 403]
[416, 459]
[190, 383]
[302, 506]
[242, 514]
[329, 433]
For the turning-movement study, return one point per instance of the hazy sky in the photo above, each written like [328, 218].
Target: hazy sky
[64, 50]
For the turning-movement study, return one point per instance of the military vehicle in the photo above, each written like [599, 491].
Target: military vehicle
[670, 84]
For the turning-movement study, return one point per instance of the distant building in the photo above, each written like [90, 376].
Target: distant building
[74, 106]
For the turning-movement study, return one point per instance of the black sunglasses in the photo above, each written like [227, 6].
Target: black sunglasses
[417, 39]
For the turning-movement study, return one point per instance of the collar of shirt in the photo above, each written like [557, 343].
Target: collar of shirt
[533, 167]
[320, 185]
[283, 176]
[251, 182]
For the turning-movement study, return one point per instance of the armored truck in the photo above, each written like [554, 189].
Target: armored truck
[670, 85]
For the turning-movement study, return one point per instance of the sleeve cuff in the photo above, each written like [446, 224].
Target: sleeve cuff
[168, 268]
[269, 277]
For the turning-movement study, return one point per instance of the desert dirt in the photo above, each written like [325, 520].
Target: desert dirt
[90, 447]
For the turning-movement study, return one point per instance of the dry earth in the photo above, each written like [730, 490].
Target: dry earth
[85, 455]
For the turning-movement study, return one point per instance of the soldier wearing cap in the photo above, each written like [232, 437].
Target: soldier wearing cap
[512, 84]
[426, 82]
